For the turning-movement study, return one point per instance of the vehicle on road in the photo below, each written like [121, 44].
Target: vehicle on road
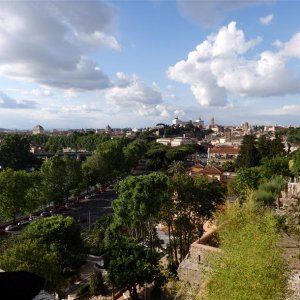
[12, 227]
[23, 223]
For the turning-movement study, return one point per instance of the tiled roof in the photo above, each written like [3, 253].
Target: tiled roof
[224, 150]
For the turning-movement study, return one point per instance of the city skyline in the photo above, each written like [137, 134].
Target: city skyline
[76, 64]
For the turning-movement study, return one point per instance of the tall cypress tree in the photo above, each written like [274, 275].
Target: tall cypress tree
[249, 155]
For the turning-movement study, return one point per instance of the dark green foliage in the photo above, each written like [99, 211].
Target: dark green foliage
[278, 165]
[17, 193]
[246, 179]
[15, 153]
[95, 241]
[229, 166]
[130, 264]
[50, 247]
[156, 155]
[249, 155]
[137, 209]
[194, 201]
[75, 141]
[270, 147]
[61, 177]
[269, 190]
[96, 284]
[113, 158]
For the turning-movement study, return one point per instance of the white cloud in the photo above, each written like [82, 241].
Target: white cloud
[211, 12]
[266, 20]
[71, 93]
[130, 91]
[49, 42]
[41, 92]
[8, 102]
[219, 67]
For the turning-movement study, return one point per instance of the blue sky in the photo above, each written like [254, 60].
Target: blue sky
[83, 64]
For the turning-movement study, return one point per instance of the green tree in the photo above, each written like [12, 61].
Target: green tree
[133, 152]
[73, 176]
[50, 247]
[130, 264]
[194, 201]
[61, 234]
[107, 163]
[269, 190]
[32, 256]
[54, 180]
[14, 186]
[278, 165]
[249, 155]
[250, 264]
[95, 241]
[247, 179]
[156, 156]
[137, 209]
[15, 153]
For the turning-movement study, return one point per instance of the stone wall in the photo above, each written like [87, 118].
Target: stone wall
[194, 265]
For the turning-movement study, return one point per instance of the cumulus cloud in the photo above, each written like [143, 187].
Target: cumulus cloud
[131, 94]
[219, 66]
[8, 102]
[41, 92]
[266, 20]
[129, 90]
[211, 12]
[49, 42]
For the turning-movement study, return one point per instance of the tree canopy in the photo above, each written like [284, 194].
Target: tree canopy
[250, 264]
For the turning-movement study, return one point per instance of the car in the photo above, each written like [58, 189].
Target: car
[45, 214]
[12, 227]
[23, 223]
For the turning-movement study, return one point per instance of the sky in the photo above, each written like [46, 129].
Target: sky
[87, 64]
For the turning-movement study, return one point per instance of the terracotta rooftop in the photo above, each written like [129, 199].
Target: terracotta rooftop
[225, 150]
[208, 170]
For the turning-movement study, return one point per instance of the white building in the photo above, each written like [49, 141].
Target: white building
[38, 129]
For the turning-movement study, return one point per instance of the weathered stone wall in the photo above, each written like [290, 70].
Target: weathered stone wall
[193, 267]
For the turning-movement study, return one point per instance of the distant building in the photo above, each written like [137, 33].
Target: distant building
[38, 129]
[177, 141]
[222, 153]
[198, 123]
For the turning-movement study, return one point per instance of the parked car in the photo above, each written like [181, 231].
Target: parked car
[45, 214]
[12, 227]
[23, 223]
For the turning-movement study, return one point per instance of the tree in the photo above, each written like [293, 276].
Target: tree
[130, 264]
[250, 264]
[156, 156]
[249, 155]
[294, 165]
[247, 179]
[32, 256]
[269, 190]
[15, 186]
[137, 209]
[51, 247]
[194, 201]
[133, 152]
[54, 180]
[95, 241]
[278, 165]
[15, 153]
[107, 163]
[73, 176]
[97, 283]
